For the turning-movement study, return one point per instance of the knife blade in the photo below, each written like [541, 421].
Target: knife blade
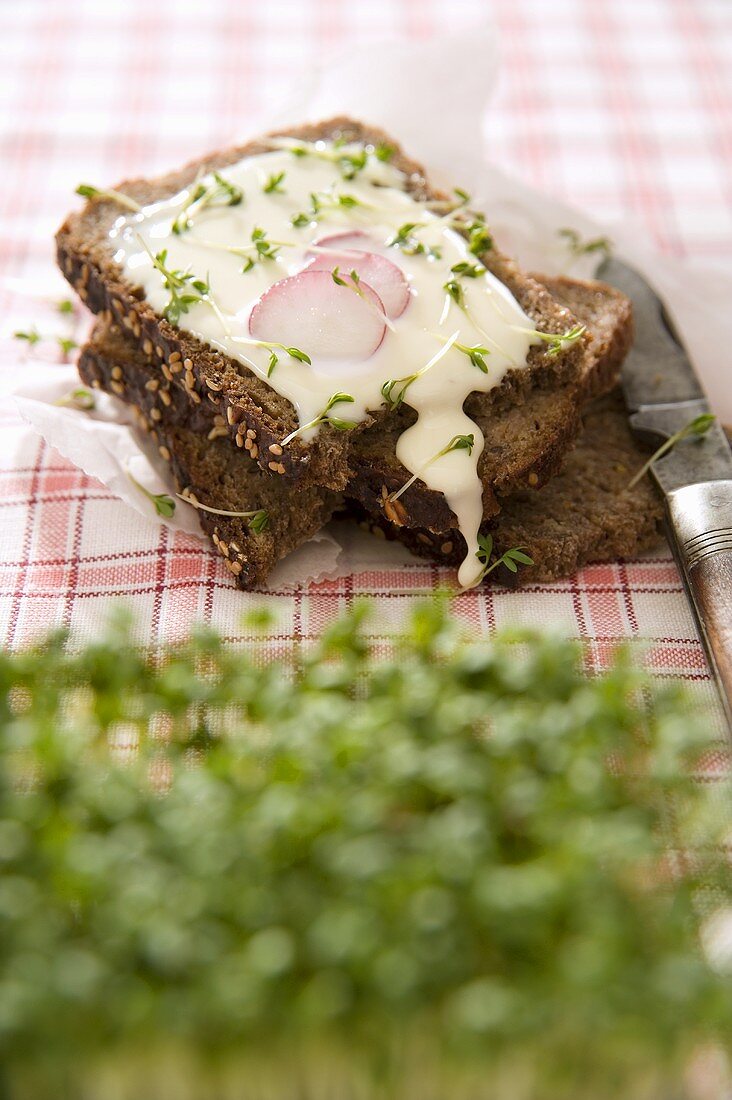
[663, 395]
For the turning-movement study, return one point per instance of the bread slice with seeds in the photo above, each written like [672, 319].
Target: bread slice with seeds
[247, 403]
[526, 444]
[195, 444]
[587, 513]
[524, 447]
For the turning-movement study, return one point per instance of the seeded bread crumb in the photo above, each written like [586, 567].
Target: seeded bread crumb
[202, 459]
[585, 514]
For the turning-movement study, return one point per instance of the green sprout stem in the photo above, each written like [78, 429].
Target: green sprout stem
[352, 281]
[261, 248]
[475, 352]
[273, 184]
[455, 294]
[556, 342]
[185, 289]
[163, 503]
[350, 163]
[580, 247]
[255, 249]
[32, 337]
[394, 389]
[323, 201]
[88, 191]
[511, 559]
[258, 518]
[176, 280]
[462, 198]
[271, 345]
[695, 429]
[457, 443]
[220, 192]
[325, 418]
[478, 234]
[183, 219]
[80, 398]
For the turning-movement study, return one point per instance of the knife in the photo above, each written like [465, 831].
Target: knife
[663, 395]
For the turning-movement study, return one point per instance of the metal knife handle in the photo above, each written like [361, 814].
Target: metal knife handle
[700, 521]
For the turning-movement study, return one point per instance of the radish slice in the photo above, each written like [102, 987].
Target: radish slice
[311, 312]
[375, 270]
[349, 239]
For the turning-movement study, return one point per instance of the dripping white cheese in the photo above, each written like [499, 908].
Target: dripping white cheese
[377, 205]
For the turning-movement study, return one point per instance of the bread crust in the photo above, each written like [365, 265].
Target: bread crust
[197, 449]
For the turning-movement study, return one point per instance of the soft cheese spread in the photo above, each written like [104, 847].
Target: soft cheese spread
[343, 294]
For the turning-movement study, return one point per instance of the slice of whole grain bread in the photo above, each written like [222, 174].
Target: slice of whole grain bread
[526, 444]
[585, 514]
[249, 405]
[196, 446]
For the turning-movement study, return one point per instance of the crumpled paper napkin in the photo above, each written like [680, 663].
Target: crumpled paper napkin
[401, 86]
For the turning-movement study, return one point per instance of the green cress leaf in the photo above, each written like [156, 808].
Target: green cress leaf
[384, 152]
[257, 519]
[31, 336]
[468, 271]
[274, 183]
[88, 191]
[511, 559]
[80, 398]
[454, 290]
[163, 504]
[457, 443]
[324, 417]
[480, 239]
[220, 192]
[581, 247]
[695, 429]
[476, 354]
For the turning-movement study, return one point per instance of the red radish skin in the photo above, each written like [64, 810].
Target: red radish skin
[350, 239]
[311, 312]
[376, 271]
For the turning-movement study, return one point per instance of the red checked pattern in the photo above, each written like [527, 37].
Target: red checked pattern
[622, 108]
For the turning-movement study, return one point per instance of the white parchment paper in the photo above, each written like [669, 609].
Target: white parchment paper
[434, 97]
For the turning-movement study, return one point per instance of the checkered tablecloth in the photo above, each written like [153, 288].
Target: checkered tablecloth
[622, 107]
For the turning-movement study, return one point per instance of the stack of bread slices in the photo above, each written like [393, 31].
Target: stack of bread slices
[557, 455]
